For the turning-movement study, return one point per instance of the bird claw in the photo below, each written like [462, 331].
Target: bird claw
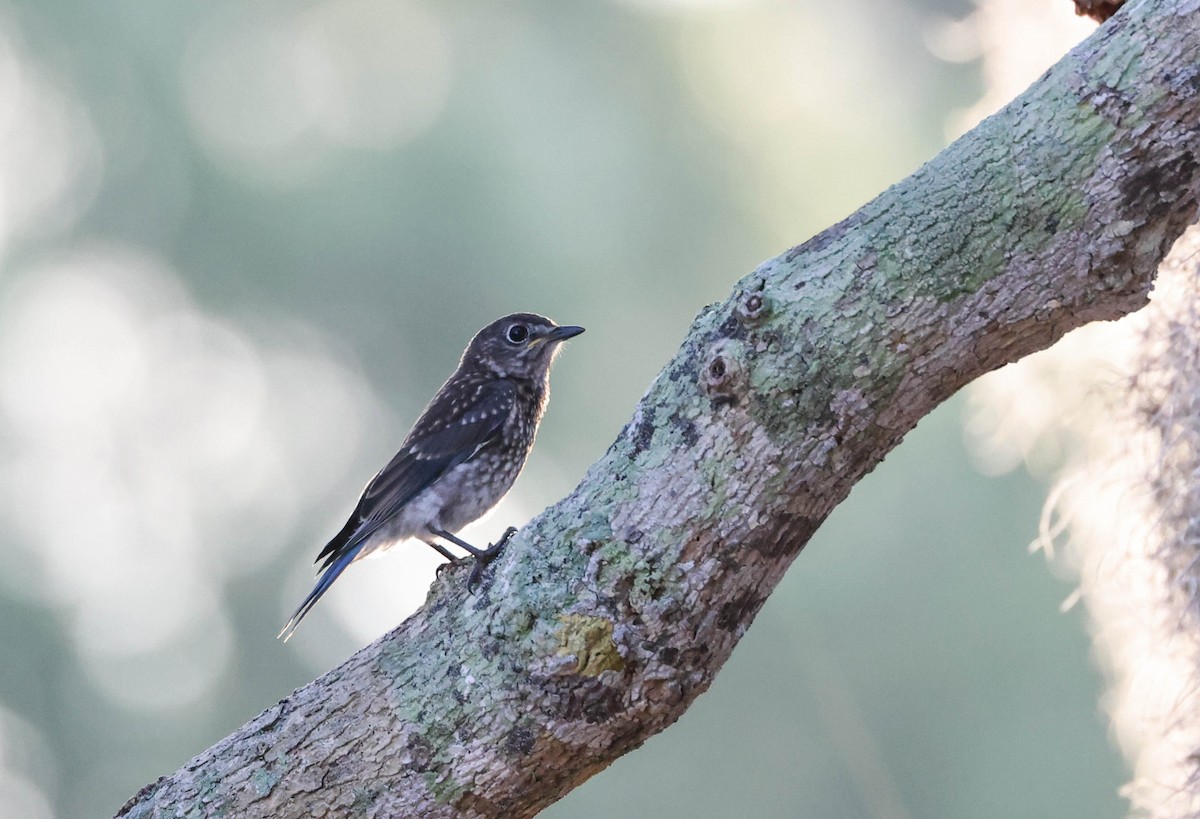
[484, 558]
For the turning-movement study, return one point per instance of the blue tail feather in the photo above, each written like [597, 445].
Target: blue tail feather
[332, 570]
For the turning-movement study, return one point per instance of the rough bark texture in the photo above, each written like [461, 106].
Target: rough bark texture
[611, 612]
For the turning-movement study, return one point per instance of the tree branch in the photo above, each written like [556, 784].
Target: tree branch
[614, 609]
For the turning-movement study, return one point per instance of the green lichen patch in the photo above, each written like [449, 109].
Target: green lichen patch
[265, 780]
[210, 801]
[445, 788]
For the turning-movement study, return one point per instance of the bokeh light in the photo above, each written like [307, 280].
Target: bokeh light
[274, 89]
[49, 157]
[145, 431]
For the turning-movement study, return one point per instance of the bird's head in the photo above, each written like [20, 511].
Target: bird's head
[521, 345]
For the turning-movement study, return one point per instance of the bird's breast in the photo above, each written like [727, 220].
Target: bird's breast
[470, 490]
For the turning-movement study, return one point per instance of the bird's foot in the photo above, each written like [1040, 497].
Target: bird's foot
[483, 557]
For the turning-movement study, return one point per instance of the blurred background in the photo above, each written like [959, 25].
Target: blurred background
[241, 244]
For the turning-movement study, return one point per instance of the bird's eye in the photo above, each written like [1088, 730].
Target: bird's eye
[517, 334]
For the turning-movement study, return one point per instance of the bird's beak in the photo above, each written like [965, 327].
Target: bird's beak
[563, 333]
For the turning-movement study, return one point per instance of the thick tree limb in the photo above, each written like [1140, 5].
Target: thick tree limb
[614, 609]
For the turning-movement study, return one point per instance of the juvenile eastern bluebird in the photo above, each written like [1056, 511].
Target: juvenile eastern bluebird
[462, 455]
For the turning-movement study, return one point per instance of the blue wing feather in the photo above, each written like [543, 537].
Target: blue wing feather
[333, 568]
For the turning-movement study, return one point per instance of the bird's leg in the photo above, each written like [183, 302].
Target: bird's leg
[451, 558]
[482, 556]
[490, 552]
[442, 550]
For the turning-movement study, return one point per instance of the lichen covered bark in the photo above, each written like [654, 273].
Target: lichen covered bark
[611, 612]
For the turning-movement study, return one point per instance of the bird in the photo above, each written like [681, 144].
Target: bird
[460, 458]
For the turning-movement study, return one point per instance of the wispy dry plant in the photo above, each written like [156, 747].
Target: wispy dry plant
[1132, 511]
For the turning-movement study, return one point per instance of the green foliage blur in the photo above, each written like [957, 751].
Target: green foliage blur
[242, 243]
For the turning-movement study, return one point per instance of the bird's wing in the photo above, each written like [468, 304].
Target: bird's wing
[459, 422]
[450, 432]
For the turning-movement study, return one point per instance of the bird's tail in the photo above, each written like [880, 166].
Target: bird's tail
[332, 569]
